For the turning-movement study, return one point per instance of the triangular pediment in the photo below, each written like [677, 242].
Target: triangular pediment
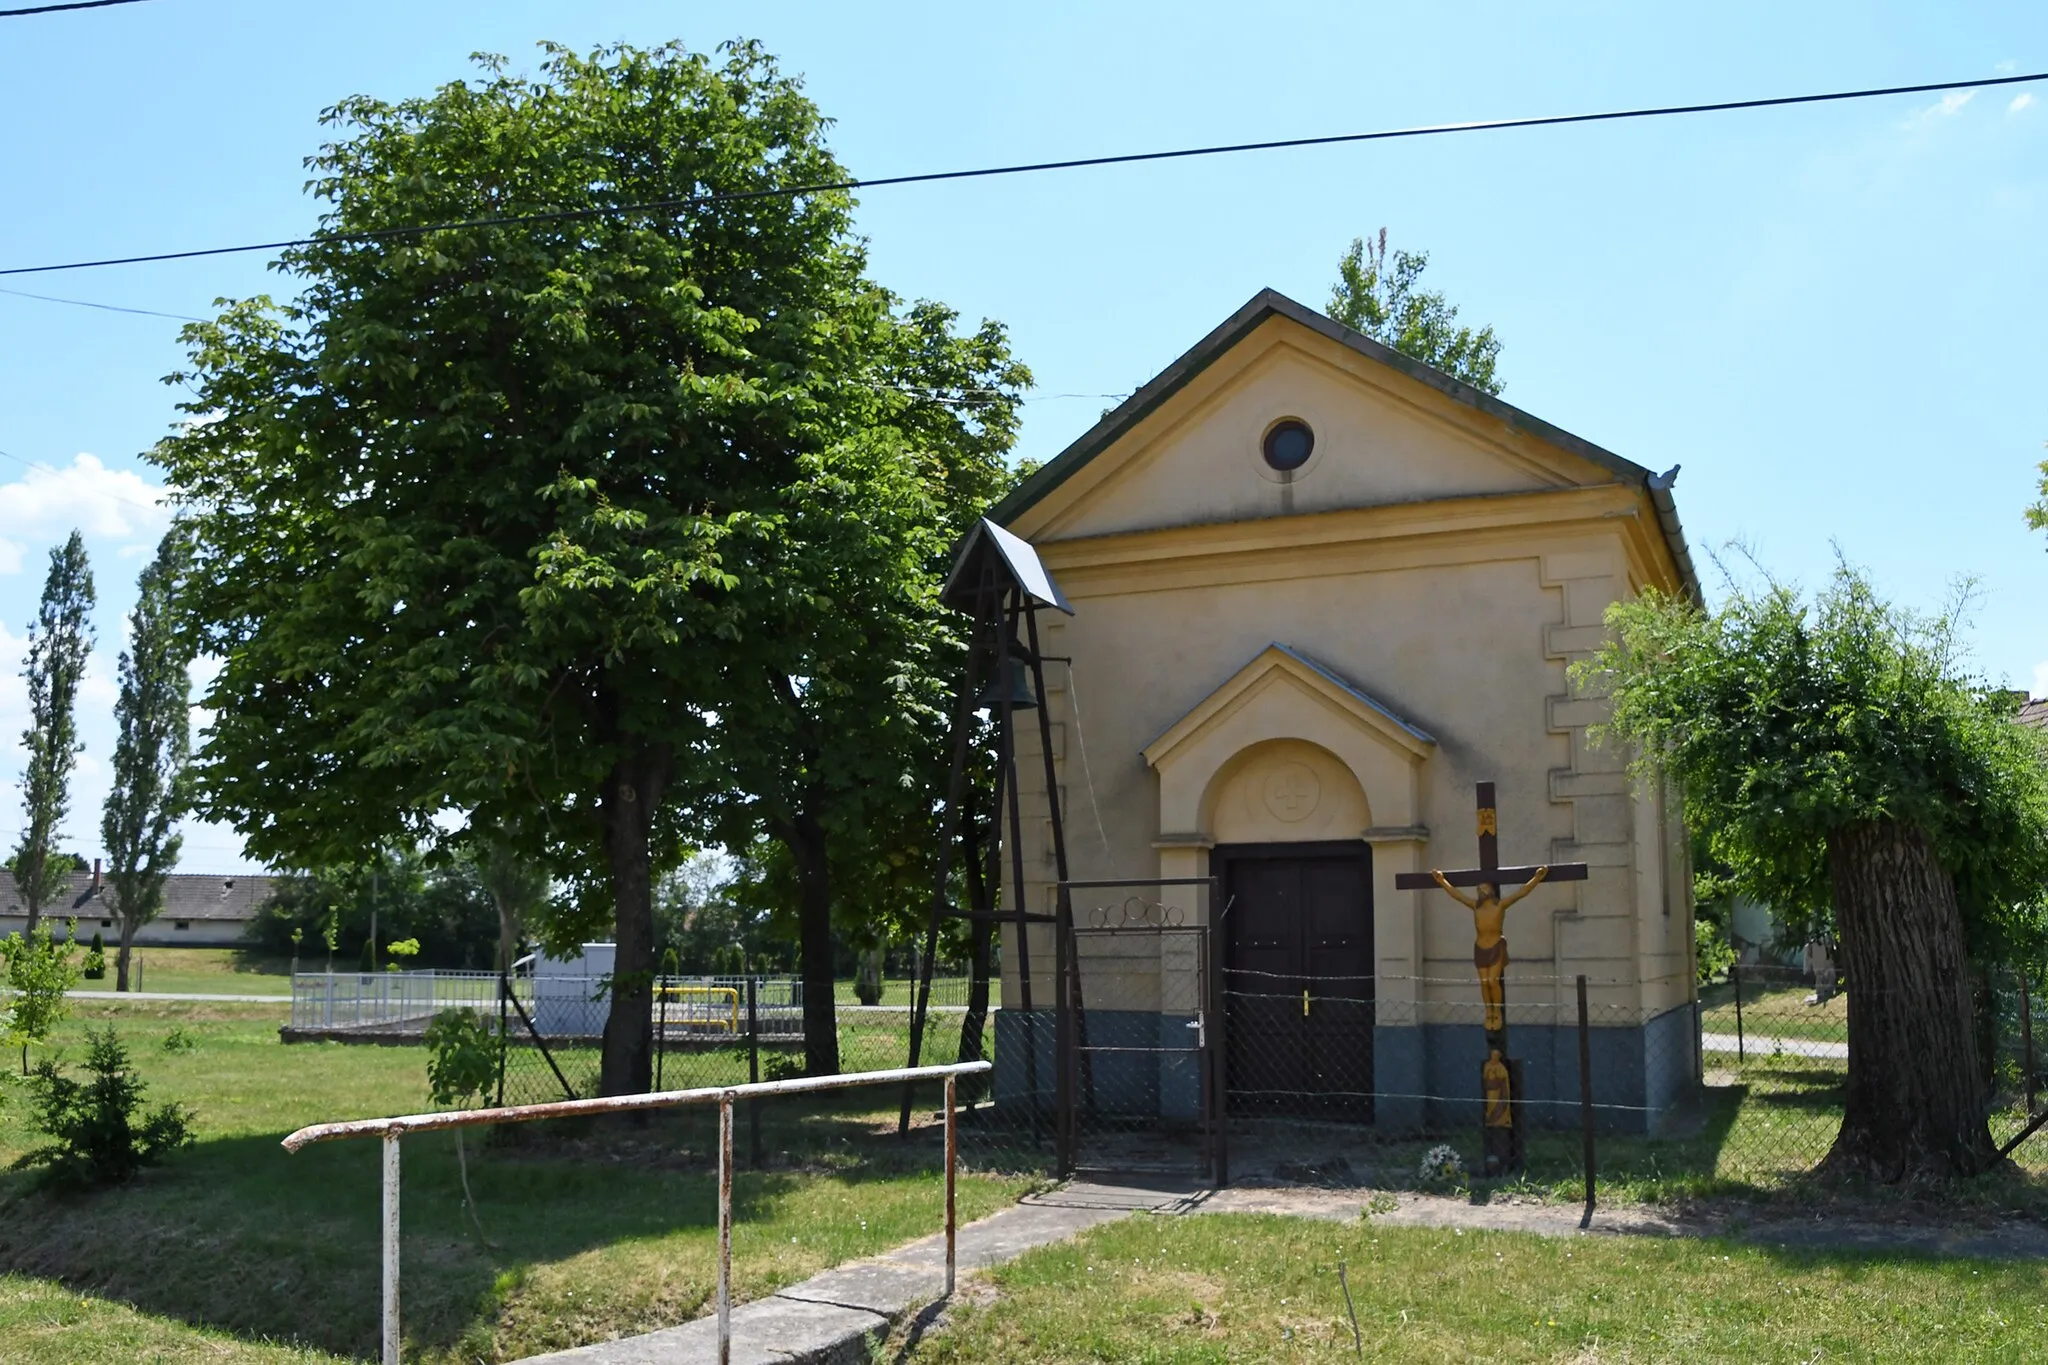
[1186, 449]
[1290, 688]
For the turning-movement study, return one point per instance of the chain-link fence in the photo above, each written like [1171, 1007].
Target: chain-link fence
[1740, 1090]
[729, 1030]
[1354, 1080]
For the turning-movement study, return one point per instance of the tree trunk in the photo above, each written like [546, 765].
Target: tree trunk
[121, 957]
[806, 840]
[630, 797]
[1914, 1102]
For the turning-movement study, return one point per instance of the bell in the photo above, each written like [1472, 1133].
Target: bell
[991, 698]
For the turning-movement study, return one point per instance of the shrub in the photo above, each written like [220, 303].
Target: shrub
[462, 1058]
[462, 1065]
[39, 971]
[177, 1040]
[96, 959]
[102, 1134]
[1712, 950]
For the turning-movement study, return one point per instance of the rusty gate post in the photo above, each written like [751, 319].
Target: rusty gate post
[725, 1229]
[952, 1162]
[389, 1333]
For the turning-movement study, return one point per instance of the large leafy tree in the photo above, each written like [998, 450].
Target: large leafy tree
[484, 514]
[1381, 296]
[834, 721]
[150, 788]
[59, 639]
[1847, 772]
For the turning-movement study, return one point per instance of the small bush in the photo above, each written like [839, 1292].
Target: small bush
[1712, 950]
[39, 972]
[96, 959]
[462, 1058]
[177, 1040]
[102, 1134]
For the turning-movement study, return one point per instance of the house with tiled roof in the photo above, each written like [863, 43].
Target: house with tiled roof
[201, 909]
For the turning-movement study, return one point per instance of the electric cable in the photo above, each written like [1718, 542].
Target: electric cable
[1024, 168]
[73, 4]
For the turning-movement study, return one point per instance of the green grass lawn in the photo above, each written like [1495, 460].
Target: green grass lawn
[946, 990]
[592, 1232]
[1248, 1288]
[205, 971]
[1775, 1010]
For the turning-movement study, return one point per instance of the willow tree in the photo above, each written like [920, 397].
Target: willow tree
[1848, 772]
[483, 517]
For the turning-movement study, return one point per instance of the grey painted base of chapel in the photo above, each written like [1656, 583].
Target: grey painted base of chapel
[1425, 1076]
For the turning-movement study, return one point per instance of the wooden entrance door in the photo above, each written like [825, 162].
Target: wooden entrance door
[1297, 979]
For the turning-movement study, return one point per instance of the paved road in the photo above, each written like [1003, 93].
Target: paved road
[181, 995]
[1756, 1045]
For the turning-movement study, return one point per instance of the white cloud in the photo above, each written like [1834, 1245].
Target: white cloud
[47, 503]
[1946, 107]
[13, 696]
[2019, 102]
[2041, 679]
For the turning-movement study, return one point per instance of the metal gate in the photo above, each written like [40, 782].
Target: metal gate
[1140, 1042]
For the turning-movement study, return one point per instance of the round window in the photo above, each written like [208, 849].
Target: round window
[1288, 444]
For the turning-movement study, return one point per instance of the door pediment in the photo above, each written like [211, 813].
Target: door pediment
[1283, 695]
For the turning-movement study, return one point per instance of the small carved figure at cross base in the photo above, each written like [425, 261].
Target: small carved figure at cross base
[1500, 1075]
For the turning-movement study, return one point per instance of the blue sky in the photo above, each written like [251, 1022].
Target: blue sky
[1831, 317]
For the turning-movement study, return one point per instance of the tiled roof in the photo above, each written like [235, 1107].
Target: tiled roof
[2035, 713]
[187, 895]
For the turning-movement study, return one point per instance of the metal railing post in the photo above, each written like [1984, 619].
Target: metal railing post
[392, 1129]
[2027, 1038]
[952, 1162]
[390, 1277]
[753, 1075]
[1586, 1095]
[725, 1229]
[1735, 980]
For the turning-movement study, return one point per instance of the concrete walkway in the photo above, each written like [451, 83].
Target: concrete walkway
[832, 1317]
[222, 998]
[1763, 1046]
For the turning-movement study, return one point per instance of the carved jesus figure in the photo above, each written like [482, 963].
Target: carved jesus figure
[1489, 946]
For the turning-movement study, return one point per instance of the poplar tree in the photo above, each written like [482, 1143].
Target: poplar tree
[150, 787]
[58, 641]
[1380, 295]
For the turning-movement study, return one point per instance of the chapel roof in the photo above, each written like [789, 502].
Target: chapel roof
[1270, 303]
[2034, 713]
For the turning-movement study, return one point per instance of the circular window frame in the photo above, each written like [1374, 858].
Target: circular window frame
[1267, 470]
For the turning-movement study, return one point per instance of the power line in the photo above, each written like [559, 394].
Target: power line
[103, 307]
[1023, 168]
[52, 9]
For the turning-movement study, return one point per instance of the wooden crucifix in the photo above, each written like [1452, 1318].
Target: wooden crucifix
[1500, 1074]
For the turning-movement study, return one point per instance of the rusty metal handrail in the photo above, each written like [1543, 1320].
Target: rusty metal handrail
[392, 1129]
